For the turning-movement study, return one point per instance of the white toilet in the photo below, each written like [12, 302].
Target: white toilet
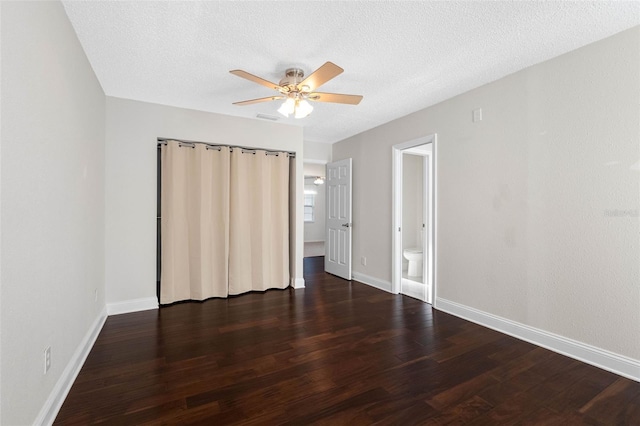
[414, 256]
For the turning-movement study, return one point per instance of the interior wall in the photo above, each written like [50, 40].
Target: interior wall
[537, 204]
[315, 169]
[52, 203]
[412, 200]
[317, 152]
[132, 129]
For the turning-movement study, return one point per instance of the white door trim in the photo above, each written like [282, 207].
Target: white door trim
[396, 237]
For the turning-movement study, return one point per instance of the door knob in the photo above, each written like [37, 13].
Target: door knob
[346, 225]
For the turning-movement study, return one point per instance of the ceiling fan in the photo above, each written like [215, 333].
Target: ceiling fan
[297, 91]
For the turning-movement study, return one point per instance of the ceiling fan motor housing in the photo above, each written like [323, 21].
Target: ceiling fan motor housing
[292, 77]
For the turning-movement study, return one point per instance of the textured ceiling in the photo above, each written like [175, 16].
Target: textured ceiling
[401, 56]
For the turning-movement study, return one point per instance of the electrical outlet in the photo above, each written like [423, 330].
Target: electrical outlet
[363, 260]
[47, 359]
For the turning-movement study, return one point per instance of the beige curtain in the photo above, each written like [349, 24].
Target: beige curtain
[195, 222]
[225, 221]
[259, 222]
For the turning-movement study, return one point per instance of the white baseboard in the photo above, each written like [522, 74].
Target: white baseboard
[618, 364]
[133, 305]
[373, 282]
[297, 283]
[52, 405]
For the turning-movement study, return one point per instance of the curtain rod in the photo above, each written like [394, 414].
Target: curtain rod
[163, 141]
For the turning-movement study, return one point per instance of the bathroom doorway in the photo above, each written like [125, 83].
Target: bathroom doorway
[414, 238]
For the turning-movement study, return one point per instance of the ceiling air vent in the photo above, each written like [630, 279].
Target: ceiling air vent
[267, 117]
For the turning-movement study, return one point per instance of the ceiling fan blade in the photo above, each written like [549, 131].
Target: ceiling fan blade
[335, 98]
[255, 79]
[320, 76]
[256, 101]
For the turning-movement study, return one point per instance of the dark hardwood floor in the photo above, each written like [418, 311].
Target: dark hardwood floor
[335, 353]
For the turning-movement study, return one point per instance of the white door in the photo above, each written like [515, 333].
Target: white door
[338, 220]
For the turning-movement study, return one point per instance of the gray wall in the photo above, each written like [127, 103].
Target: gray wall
[317, 152]
[52, 203]
[537, 205]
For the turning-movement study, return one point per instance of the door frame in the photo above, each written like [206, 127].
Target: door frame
[396, 237]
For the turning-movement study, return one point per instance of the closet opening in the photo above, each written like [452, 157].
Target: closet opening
[224, 219]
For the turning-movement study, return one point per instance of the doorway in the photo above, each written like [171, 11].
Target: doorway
[314, 214]
[413, 263]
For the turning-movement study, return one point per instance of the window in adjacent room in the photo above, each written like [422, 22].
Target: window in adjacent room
[308, 207]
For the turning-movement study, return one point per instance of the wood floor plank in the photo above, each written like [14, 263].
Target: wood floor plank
[335, 353]
[616, 404]
[462, 413]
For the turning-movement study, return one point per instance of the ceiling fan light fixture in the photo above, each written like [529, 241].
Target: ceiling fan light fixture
[303, 109]
[297, 90]
[288, 107]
